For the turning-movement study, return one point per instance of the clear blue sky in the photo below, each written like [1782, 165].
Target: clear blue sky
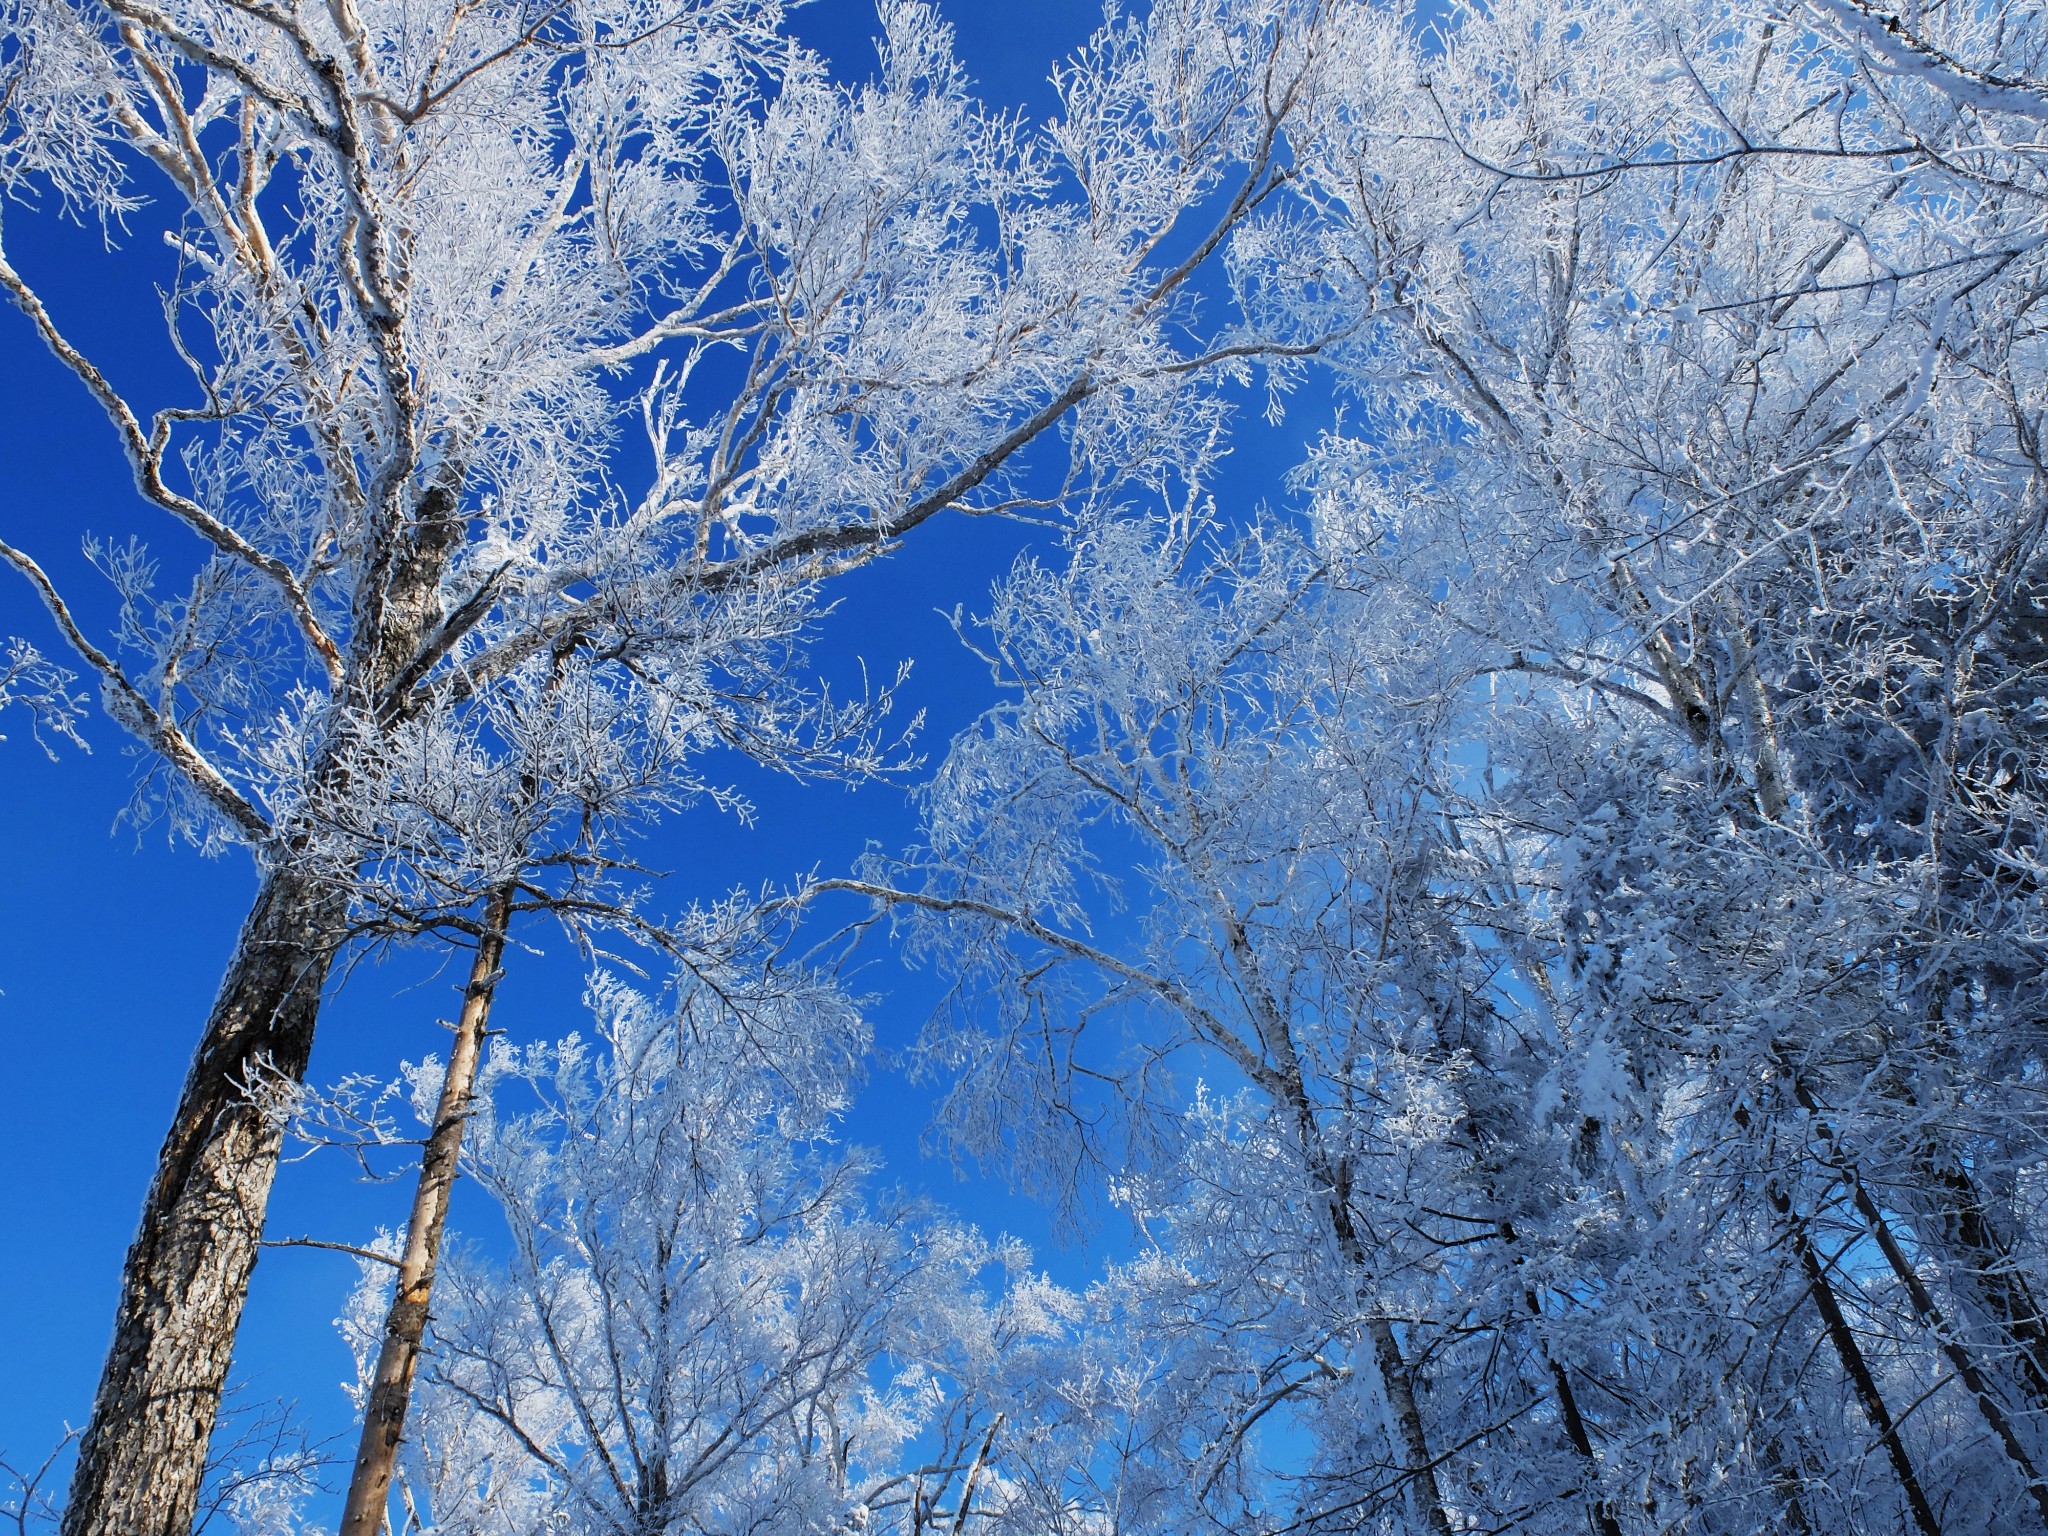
[111, 945]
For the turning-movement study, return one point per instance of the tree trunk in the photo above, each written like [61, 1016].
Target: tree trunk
[1597, 1504]
[1397, 1387]
[1854, 1366]
[405, 1324]
[1847, 1350]
[143, 1456]
[1955, 1222]
[1425, 1497]
[1786, 1482]
[1984, 1271]
[1951, 1344]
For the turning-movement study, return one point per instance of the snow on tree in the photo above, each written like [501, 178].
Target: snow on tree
[1621, 915]
[694, 1318]
[431, 270]
[1545, 945]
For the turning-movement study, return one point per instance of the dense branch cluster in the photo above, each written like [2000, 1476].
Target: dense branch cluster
[1594, 863]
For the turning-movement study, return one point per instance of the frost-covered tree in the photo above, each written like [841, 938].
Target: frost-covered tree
[695, 1318]
[432, 271]
[1503, 1196]
[1682, 744]
[1724, 324]
[1205, 837]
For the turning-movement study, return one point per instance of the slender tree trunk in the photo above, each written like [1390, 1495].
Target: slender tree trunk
[1397, 1386]
[1953, 1348]
[1985, 1272]
[1951, 1344]
[405, 1324]
[1956, 1222]
[1773, 794]
[1597, 1504]
[143, 1456]
[1854, 1366]
[1847, 1350]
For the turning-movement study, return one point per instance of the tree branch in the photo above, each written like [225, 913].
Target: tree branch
[125, 703]
[147, 467]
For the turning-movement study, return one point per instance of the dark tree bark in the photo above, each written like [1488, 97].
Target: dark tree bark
[1597, 1505]
[1855, 1366]
[1786, 1481]
[1967, 1367]
[142, 1458]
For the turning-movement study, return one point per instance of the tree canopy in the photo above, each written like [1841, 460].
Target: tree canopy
[1523, 926]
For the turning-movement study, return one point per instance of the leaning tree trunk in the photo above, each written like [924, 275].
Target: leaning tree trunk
[1855, 1367]
[143, 1456]
[405, 1323]
[1968, 1368]
[1397, 1386]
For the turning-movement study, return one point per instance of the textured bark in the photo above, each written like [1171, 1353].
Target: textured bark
[405, 1323]
[142, 1458]
[1786, 1481]
[1773, 794]
[1426, 1502]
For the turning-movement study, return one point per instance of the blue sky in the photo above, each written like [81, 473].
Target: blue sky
[111, 942]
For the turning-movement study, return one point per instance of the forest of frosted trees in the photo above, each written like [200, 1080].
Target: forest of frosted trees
[1505, 926]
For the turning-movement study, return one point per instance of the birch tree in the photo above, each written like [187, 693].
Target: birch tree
[699, 1321]
[1501, 1175]
[1220, 711]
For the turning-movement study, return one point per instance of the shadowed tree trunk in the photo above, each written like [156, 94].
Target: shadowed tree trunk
[405, 1323]
[1576, 1433]
[1847, 1351]
[142, 1458]
[1969, 1370]
[1854, 1365]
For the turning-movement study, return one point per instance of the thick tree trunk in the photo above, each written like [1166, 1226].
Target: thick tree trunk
[405, 1324]
[143, 1456]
